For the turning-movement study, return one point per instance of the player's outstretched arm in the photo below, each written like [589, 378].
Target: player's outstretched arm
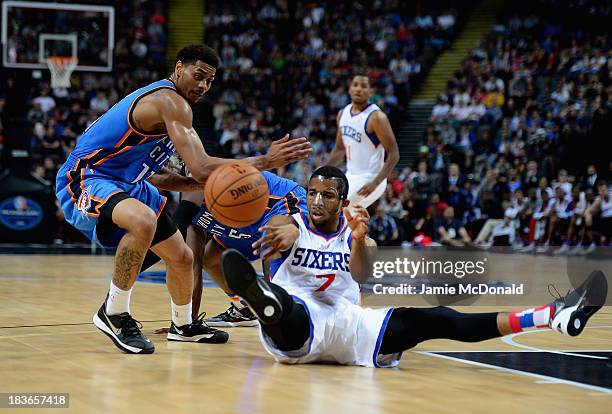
[382, 128]
[337, 155]
[363, 248]
[178, 117]
[168, 180]
[277, 236]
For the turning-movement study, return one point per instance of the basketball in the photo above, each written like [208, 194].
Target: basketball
[236, 194]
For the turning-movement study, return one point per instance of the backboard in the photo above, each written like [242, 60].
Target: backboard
[32, 31]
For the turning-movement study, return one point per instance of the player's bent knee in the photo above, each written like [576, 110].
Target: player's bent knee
[183, 257]
[143, 225]
[187, 256]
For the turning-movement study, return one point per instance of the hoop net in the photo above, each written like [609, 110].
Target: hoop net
[61, 68]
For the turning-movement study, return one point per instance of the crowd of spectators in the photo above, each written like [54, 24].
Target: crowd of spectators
[493, 165]
[498, 147]
[286, 65]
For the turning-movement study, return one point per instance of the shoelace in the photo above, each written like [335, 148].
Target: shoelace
[131, 327]
[200, 320]
[234, 312]
[556, 294]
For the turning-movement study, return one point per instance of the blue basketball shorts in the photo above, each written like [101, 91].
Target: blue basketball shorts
[82, 192]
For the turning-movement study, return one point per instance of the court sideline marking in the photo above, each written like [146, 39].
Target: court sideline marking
[509, 339]
[545, 378]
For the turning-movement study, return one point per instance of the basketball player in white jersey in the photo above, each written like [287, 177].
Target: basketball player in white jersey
[364, 135]
[310, 311]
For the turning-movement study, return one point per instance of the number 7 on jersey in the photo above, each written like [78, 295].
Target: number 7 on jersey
[330, 279]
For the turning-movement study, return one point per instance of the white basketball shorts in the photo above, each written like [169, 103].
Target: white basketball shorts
[341, 333]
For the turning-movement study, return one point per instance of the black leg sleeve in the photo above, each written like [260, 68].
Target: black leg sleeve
[293, 329]
[182, 217]
[409, 326]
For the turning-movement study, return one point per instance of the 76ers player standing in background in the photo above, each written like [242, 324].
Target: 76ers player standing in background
[364, 135]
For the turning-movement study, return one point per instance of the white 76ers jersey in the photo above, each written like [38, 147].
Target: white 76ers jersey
[364, 153]
[318, 264]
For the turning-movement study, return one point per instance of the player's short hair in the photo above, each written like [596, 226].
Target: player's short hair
[361, 73]
[333, 173]
[192, 53]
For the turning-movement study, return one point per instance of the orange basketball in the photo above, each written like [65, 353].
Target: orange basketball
[236, 194]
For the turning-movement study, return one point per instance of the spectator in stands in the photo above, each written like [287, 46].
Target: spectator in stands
[451, 231]
[441, 110]
[45, 102]
[383, 228]
[591, 178]
[503, 233]
[576, 211]
[391, 204]
[422, 183]
[538, 224]
[599, 217]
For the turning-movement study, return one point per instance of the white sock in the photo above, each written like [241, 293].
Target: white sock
[118, 300]
[181, 314]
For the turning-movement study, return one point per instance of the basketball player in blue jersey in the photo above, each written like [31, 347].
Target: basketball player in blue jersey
[364, 136]
[310, 311]
[105, 190]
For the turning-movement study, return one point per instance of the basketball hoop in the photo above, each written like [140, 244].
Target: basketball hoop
[61, 68]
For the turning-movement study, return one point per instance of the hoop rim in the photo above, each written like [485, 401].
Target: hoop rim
[62, 59]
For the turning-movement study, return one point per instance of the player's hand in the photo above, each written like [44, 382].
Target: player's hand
[358, 221]
[285, 151]
[367, 189]
[276, 239]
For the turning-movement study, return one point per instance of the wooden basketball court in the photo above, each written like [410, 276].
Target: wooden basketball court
[49, 344]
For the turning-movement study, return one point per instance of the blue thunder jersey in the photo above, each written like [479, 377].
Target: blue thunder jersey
[286, 198]
[114, 146]
[113, 156]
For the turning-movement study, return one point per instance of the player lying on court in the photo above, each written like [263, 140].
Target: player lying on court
[104, 191]
[310, 312]
[364, 136]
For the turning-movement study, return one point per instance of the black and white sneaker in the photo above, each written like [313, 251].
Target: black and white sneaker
[574, 310]
[242, 280]
[233, 317]
[124, 331]
[197, 331]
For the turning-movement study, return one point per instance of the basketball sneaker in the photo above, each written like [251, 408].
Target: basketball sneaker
[576, 251]
[562, 250]
[197, 331]
[233, 317]
[574, 310]
[243, 281]
[124, 331]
